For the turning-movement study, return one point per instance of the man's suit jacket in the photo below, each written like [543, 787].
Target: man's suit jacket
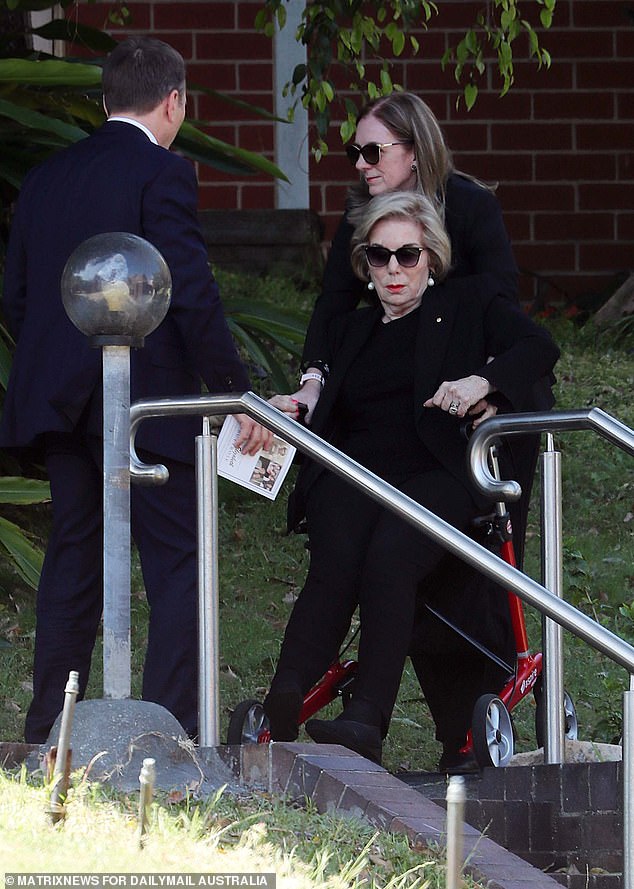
[115, 180]
[458, 330]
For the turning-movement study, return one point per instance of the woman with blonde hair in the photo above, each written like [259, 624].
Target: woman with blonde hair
[404, 372]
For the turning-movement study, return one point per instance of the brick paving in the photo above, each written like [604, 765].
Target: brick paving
[337, 780]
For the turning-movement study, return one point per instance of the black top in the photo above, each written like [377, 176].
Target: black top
[375, 408]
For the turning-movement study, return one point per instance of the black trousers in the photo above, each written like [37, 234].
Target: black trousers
[70, 595]
[362, 554]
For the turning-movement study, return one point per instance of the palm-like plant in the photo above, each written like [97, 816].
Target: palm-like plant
[14, 541]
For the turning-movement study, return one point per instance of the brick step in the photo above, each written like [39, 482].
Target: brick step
[566, 820]
[589, 881]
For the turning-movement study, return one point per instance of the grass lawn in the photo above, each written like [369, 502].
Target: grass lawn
[224, 834]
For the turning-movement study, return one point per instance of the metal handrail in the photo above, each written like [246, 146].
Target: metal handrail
[523, 424]
[623, 437]
[440, 531]
[446, 535]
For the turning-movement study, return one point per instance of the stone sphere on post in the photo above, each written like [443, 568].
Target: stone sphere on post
[116, 288]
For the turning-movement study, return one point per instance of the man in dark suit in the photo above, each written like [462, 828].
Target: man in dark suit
[122, 178]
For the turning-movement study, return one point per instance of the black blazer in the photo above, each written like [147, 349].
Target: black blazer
[458, 331]
[480, 250]
[115, 180]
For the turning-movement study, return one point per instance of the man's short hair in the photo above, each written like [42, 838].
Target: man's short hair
[139, 73]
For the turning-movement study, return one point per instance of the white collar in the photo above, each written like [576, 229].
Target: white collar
[136, 123]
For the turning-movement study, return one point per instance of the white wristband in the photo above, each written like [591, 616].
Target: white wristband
[311, 376]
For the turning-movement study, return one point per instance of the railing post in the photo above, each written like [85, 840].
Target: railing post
[456, 795]
[552, 579]
[116, 522]
[628, 786]
[208, 588]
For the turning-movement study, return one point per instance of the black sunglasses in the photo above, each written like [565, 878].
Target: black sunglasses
[379, 256]
[371, 151]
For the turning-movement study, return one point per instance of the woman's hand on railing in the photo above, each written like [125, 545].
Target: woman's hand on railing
[308, 394]
[296, 408]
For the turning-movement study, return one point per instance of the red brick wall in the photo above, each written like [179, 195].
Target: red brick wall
[560, 144]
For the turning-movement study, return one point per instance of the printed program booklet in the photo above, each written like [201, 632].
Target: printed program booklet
[263, 471]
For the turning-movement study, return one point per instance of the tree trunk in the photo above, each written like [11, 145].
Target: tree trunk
[620, 304]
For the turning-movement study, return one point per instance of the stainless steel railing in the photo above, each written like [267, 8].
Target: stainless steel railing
[523, 424]
[622, 436]
[446, 535]
[443, 533]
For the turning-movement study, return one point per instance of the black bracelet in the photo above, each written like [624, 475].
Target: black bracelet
[320, 365]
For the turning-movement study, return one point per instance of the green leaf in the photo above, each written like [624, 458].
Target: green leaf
[505, 56]
[255, 110]
[5, 364]
[507, 17]
[22, 491]
[299, 73]
[470, 95]
[462, 52]
[73, 32]
[262, 355]
[27, 558]
[36, 121]
[347, 130]
[291, 321]
[210, 150]
[398, 43]
[471, 41]
[49, 73]
[260, 20]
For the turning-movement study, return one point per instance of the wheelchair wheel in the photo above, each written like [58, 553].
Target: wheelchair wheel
[492, 732]
[247, 723]
[571, 726]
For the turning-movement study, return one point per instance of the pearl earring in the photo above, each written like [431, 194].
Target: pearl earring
[430, 281]
[370, 285]
[413, 168]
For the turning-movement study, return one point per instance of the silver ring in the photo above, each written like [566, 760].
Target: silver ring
[453, 407]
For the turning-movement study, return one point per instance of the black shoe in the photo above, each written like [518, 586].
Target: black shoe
[458, 762]
[283, 706]
[363, 739]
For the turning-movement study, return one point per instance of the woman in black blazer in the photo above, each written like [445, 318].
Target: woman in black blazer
[404, 373]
